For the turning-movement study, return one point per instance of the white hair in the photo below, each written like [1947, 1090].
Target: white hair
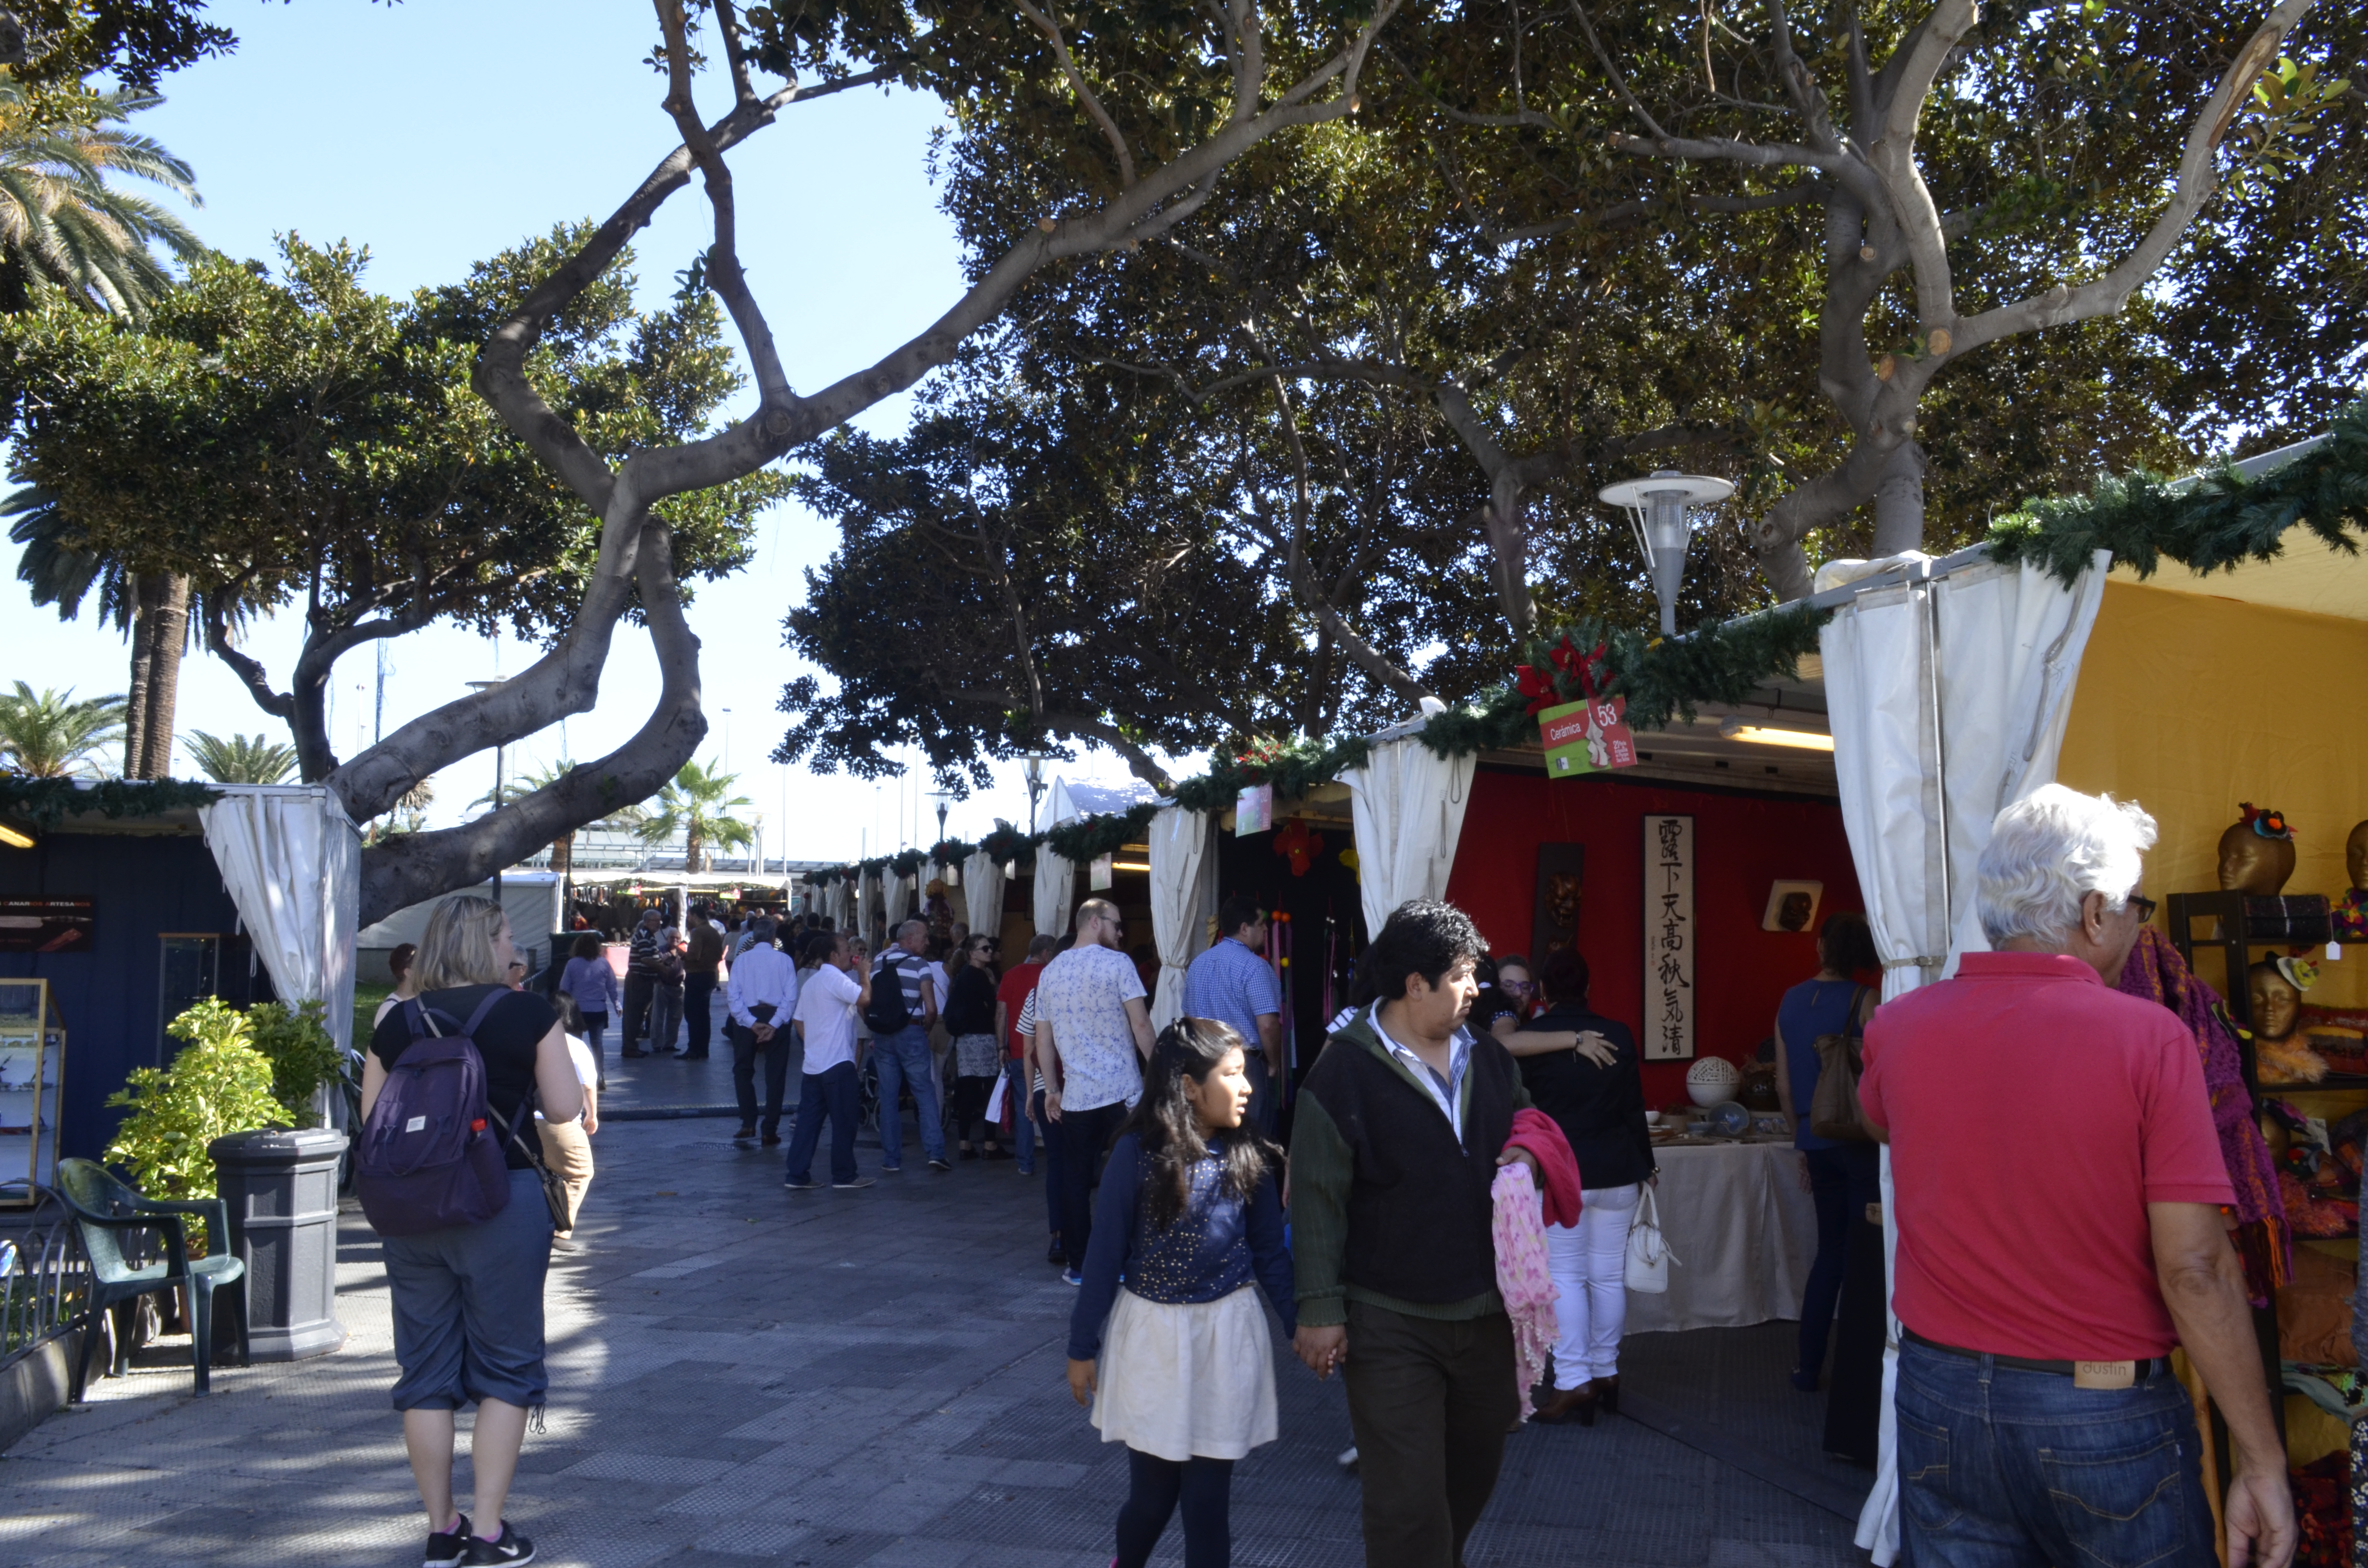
[2049, 851]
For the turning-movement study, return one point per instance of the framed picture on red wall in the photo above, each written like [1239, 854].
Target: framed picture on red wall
[1562, 878]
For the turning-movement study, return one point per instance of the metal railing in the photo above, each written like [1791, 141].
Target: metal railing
[44, 1279]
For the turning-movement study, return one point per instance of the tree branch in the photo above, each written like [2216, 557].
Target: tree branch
[1085, 96]
[2197, 179]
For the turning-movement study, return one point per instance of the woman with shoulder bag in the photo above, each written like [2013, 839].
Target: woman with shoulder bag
[468, 1299]
[1842, 1172]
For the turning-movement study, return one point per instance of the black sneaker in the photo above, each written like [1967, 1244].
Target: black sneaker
[941, 1163]
[446, 1549]
[512, 1548]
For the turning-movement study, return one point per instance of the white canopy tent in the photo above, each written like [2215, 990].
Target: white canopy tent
[1183, 897]
[291, 861]
[1947, 684]
[1406, 810]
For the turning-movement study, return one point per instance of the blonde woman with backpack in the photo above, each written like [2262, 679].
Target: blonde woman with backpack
[468, 1297]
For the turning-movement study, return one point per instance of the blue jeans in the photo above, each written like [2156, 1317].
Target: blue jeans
[905, 1056]
[1014, 1099]
[832, 1093]
[2000, 1468]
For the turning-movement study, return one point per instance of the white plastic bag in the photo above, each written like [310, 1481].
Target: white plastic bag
[1648, 1252]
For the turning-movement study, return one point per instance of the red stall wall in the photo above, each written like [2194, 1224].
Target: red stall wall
[1741, 845]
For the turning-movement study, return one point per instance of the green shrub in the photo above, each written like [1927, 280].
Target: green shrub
[218, 1084]
[303, 1056]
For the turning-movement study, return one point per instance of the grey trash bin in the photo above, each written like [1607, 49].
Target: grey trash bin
[282, 1191]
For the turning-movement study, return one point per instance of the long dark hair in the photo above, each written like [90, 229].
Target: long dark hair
[1169, 1133]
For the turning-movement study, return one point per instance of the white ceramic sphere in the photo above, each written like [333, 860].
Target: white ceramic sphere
[1711, 1080]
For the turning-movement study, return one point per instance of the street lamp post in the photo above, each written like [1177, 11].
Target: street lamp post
[1035, 761]
[1658, 508]
[500, 751]
[944, 799]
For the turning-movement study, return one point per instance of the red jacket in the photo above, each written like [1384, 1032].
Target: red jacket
[1557, 1166]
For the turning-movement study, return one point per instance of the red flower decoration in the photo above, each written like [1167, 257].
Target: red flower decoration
[1537, 687]
[1299, 844]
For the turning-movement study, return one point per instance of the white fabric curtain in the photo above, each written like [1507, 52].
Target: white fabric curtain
[1179, 845]
[1947, 698]
[867, 903]
[982, 893]
[291, 861]
[1407, 805]
[1056, 884]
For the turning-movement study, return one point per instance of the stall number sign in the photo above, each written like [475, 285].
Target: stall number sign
[1668, 938]
[1586, 737]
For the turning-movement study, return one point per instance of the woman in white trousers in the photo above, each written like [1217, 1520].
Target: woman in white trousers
[1582, 1070]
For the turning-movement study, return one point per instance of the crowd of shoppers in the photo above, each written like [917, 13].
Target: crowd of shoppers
[2055, 1176]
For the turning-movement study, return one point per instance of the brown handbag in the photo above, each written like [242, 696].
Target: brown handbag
[1834, 1111]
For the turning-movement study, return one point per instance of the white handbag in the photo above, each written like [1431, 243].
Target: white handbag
[1648, 1252]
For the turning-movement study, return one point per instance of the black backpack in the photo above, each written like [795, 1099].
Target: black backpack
[886, 1013]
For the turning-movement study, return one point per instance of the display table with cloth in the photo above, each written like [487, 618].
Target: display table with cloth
[1740, 1222]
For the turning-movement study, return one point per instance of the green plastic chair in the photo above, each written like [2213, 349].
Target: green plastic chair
[103, 1208]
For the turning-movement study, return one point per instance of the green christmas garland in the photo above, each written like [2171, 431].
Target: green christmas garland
[1660, 677]
[2220, 519]
[45, 801]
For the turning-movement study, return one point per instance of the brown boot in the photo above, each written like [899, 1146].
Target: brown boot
[1570, 1404]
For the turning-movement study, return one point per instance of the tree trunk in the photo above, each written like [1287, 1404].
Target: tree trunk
[160, 629]
[562, 855]
[693, 841]
[168, 619]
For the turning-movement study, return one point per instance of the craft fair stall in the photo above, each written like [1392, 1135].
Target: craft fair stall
[125, 902]
[2103, 643]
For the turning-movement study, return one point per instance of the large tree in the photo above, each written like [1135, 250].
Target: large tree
[302, 440]
[1129, 110]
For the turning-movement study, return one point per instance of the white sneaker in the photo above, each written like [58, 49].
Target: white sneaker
[1347, 1459]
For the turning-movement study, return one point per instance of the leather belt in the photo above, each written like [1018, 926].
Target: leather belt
[2145, 1369]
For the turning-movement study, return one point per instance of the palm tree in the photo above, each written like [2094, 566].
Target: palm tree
[49, 735]
[241, 759]
[693, 805]
[63, 226]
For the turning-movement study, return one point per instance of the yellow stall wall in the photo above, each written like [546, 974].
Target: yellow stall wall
[2190, 704]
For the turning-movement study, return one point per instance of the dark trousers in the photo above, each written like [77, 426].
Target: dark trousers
[640, 991]
[1430, 1401]
[1854, 1394]
[1842, 1182]
[832, 1094]
[1155, 1486]
[698, 991]
[1052, 1165]
[745, 1049]
[1084, 1137]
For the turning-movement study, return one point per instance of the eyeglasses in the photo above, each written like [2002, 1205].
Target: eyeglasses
[1516, 986]
[2145, 906]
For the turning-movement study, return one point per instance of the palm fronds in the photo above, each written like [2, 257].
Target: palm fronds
[240, 759]
[61, 220]
[48, 735]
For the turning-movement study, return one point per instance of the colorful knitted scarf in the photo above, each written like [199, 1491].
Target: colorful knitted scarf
[1523, 1278]
[2156, 973]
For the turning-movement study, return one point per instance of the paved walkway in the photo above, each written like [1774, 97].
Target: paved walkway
[742, 1374]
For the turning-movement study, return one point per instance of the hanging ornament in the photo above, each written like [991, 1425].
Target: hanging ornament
[1297, 842]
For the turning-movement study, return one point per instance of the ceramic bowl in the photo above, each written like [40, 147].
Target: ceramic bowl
[1712, 1081]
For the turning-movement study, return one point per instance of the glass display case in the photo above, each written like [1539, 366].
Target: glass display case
[33, 1061]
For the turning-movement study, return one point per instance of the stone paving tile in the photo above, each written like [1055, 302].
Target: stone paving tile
[822, 1380]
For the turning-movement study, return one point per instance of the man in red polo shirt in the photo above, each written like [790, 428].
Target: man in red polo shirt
[2058, 1187]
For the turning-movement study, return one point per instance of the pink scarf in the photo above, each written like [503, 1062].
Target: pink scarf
[1522, 1278]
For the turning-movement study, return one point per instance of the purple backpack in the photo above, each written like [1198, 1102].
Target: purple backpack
[430, 1156]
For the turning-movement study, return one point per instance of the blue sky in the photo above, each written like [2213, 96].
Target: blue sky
[436, 133]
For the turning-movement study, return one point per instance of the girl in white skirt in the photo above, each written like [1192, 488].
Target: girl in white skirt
[1188, 1215]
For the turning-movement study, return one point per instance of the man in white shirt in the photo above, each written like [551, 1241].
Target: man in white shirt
[1093, 1034]
[763, 996]
[825, 1022]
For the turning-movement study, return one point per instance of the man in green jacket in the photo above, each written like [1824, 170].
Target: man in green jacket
[1400, 1125]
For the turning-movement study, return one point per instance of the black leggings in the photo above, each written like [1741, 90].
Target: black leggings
[1155, 1485]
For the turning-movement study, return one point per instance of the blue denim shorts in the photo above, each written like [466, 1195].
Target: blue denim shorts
[467, 1307]
[2003, 1468]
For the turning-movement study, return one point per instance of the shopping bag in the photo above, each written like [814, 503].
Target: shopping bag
[1649, 1252]
[995, 1100]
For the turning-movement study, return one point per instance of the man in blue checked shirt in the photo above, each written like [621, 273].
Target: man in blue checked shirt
[1233, 984]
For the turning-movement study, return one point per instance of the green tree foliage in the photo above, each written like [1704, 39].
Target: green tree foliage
[63, 226]
[135, 40]
[217, 1084]
[304, 1057]
[49, 734]
[301, 440]
[240, 759]
[697, 805]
